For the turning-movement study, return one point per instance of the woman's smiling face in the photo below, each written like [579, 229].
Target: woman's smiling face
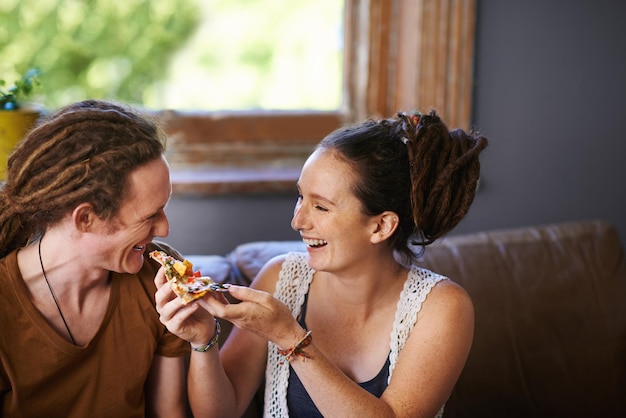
[328, 214]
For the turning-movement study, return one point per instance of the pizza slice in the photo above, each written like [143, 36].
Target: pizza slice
[186, 283]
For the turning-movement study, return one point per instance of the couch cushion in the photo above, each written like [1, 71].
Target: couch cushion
[247, 259]
[550, 337]
[214, 266]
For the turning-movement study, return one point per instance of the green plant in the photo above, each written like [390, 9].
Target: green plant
[96, 49]
[13, 96]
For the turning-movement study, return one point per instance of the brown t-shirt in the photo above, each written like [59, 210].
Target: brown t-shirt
[44, 375]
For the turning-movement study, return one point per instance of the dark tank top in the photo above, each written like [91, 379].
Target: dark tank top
[298, 401]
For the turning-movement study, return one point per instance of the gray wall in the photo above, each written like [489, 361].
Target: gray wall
[216, 225]
[550, 93]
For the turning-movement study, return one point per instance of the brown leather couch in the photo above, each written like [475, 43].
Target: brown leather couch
[550, 303]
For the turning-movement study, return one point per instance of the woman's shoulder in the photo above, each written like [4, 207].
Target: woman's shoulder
[437, 291]
[287, 263]
[268, 275]
[443, 293]
[422, 273]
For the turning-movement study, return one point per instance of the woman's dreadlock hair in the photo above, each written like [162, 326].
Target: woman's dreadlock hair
[82, 153]
[414, 166]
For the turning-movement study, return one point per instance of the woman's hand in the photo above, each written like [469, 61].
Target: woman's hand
[189, 322]
[258, 312]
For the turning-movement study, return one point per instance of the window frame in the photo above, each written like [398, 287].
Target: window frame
[398, 55]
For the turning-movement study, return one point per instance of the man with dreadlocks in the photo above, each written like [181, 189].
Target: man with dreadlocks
[353, 326]
[84, 197]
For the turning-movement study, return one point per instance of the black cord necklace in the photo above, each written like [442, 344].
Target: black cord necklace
[53, 296]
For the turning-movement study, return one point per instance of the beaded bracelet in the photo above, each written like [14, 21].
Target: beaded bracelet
[297, 349]
[213, 341]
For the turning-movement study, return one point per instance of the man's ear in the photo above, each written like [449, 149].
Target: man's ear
[84, 217]
[386, 224]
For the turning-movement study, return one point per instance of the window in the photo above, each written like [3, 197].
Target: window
[179, 54]
[93, 48]
[397, 54]
[261, 54]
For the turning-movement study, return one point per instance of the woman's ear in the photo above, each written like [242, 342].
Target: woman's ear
[84, 218]
[386, 225]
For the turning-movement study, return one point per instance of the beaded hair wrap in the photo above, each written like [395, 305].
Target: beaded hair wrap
[410, 122]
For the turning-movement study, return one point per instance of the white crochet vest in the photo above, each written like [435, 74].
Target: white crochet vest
[292, 287]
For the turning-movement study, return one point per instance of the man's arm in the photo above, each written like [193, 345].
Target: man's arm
[166, 394]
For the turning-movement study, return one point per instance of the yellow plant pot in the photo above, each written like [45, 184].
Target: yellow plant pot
[14, 124]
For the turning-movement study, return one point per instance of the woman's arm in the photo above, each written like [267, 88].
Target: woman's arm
[427, 368]
[426, 371]
[425, 374]
[435, 353]
[243, 356]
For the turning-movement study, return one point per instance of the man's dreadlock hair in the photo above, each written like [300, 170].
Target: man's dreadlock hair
[81, 153]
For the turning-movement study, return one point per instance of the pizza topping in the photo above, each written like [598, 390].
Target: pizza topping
[186, 283]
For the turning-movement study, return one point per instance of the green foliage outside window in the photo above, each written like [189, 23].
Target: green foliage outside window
[260, 54]
[183, 54]
[113, 49]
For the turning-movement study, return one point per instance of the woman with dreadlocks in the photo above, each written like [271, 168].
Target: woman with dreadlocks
[352, 326]
[84, 197]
